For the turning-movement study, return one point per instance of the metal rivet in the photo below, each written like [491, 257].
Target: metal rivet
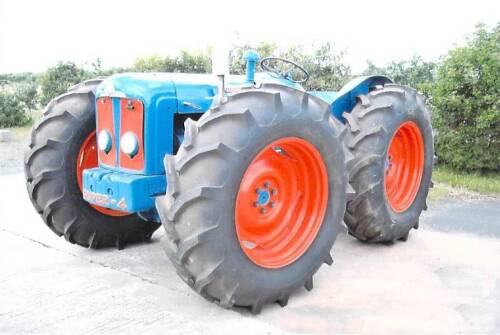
[255, 204]
[271, 204]
[263, 210]
[274, 191]
[267, 184]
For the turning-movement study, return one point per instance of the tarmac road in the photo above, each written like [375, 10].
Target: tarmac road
[445, 279]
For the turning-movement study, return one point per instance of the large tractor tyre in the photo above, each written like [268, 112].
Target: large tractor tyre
[63, 144]
[255, 197]
[391, 141]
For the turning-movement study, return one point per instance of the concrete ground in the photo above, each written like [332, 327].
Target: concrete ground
[445, 279]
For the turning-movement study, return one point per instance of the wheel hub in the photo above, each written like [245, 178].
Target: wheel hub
[404, 166]
[281, 202]
[87, 159]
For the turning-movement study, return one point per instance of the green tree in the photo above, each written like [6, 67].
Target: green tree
[28, 95]
[56, 80]
[466, 98]
[236, 63]
[414, 72]
[327, 68]
[15, 107]
[372, 69]
[185, 62]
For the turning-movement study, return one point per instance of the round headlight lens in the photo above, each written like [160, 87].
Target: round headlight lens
[104, 141]
[129, 144]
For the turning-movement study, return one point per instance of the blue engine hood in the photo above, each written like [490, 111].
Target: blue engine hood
[194, 92]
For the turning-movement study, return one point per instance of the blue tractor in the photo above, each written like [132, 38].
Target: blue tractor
[251, 176]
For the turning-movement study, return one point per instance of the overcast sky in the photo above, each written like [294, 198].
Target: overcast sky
[37, 34]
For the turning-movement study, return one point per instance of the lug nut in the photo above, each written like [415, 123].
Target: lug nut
[263, 210]
[267, 184]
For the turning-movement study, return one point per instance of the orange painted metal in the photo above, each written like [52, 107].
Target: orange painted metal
[281, 202]
[132, 120]
[87, 159]
[105, 122]
[404, 166]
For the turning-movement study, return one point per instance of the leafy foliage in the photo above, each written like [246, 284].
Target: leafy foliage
[15, 107]
[22, 77]
[466, 98]
[236, 63]
[414, 72]
[186, 62]
[56, 80]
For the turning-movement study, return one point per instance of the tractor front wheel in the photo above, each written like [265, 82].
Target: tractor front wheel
[63, 144]
[255, 197]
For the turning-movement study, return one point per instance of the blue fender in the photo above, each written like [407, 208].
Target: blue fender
[345, 99]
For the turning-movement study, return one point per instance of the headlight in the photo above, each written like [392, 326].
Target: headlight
[129, 144]
[104, 141]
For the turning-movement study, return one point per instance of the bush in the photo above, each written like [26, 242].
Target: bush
[28, 94]
[327, 69]
[186, 62]
[467, 105]
[15, 107]
[59, 78]
[236, 63]
[414, 72]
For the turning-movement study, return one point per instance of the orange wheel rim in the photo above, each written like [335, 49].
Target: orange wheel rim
[281, 202]
[404, 166]
[87, 159]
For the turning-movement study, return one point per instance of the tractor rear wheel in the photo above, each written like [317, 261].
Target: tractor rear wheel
[63, 144]
[255, 197]
[391, 141]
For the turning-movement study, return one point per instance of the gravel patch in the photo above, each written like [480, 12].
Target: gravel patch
[12, 152]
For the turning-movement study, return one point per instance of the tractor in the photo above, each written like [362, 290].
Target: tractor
[251, 176]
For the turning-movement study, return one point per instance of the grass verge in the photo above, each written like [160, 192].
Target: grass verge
[483, 183]
[21, 132]
[439, 191]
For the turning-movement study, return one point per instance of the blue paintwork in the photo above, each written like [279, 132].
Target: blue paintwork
[345, 99]
[120, 190]
[251, 57]
[167, 94]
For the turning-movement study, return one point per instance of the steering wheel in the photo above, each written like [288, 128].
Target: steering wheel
[285, 70]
